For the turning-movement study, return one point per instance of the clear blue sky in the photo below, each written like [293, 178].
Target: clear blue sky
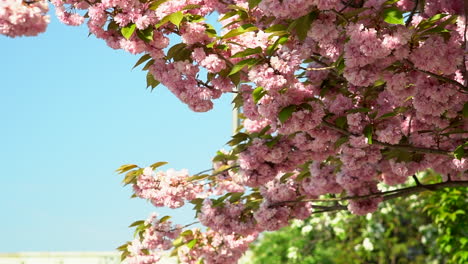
[71, 112]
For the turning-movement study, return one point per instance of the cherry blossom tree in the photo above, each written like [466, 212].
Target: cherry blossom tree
[337, 97]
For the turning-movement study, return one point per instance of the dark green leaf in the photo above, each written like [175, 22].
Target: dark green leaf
[341, 141]
[174, 50]
[387, 115]
[238, 101]
[147, 65]
[235, 197]
[465, 110]
[151, 81]
[141, 60]
[359, 110]
[286, 113]
[341, 122]
[368, 131]
[253, 3]
[146, 35]
[304, 23]
[459, 152]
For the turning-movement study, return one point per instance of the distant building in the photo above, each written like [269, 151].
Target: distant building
[68, 258]
[60, 258]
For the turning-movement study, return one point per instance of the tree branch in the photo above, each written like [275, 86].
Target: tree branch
[394, 146]
[410, 17]
[387, 195]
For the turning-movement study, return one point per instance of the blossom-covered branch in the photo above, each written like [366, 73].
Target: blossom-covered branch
[336, 97]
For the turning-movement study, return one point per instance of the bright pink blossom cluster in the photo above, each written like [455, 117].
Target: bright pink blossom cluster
[21, 18]
[337, 97]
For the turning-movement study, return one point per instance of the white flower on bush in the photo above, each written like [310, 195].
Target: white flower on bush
[367, 244]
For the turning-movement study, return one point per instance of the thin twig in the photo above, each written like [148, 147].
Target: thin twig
[410, 17]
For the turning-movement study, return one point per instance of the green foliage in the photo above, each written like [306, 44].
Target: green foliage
[393, 15]
[429, 228]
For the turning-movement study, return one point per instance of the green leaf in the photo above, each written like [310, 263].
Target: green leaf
[158, 164]
[253, 3]
[273, 142]
[436, 17]
[137, 223]
[465, 110]
[286, 113]
[123, 247]
[303, 24]
[112, 26]
[147, 65]
[191, 6]
[387, 115]
[164, 219]
[127, 31]
[146, 35]
[393, 15]
[186, 233]
[235, 197]
[176, 18]
[241, 64]
[125, 168]
[176, 49]
[258, 93]
[154, 5]
[359, 110]
[238, 101]
[341, 122]
[198, 177]
[239, 31]
[247, 52]
[238, 138]
[368, 131]
[124, 255]
[341, 141]
[141, 60]
[275, 28]
[151, 81]
[131, 176]
[280, 41]
[229, 14]
[459, 152]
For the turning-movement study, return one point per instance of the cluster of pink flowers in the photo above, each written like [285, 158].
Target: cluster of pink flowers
[336, 96]
[170, 189]
[157, 237]
[23, 18]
